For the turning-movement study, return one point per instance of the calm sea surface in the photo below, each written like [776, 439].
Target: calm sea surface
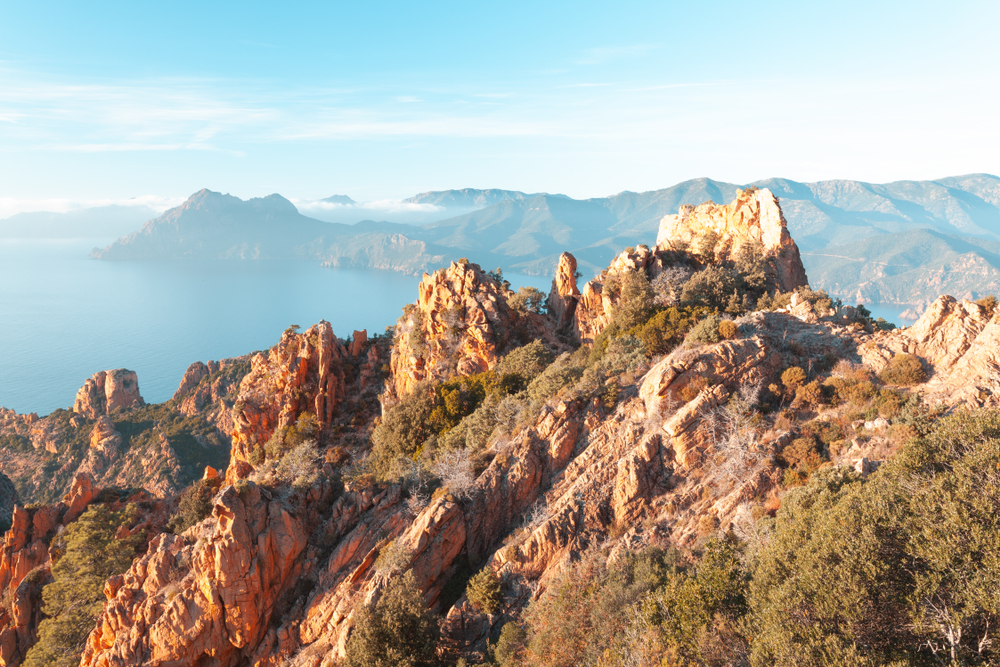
[64, 317]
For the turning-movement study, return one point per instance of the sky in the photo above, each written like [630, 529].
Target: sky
[104, 102]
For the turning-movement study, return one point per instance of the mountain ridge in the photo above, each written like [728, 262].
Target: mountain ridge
[527, 232]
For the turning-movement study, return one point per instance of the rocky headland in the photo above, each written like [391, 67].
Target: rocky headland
[487, 433]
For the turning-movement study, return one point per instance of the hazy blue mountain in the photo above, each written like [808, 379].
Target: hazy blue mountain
[527, 233]
[210, 225]
[339, 199]
[97, 222]
[907, 267]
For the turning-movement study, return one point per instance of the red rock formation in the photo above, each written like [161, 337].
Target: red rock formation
[564, 294]
[209, 601]
[596, 307]
[23, 552]
[461, 324]
[753, 217]
[192, 376]
[107, 391]
[358, 341]
[304, 372]
[960, 344]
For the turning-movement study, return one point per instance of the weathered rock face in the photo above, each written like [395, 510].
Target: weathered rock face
[209, 598]
[595, 308]
[564, 294]
[205, 391]
[192, 376]
[753, 217]
[107, 391]
[960, 344]
[24, 550]
[461, 324]
[24, 567]
[304, 372]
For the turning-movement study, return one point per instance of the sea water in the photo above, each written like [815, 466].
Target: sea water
[63, 317]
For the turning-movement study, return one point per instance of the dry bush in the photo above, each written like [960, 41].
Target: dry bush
[694, 386]
[792, 378]
[728, 329]
[904, 370]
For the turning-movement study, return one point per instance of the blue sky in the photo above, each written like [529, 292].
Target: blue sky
[106, 101]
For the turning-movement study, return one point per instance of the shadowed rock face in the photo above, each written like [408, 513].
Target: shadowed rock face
[107, 391]
[8, 498]
[754, 217]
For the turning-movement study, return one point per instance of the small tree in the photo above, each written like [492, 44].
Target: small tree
[528, 299]
[483, 591]
[74, 599]
[397, 631]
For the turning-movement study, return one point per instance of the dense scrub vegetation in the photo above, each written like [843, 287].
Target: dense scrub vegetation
[397, 631]
[897, 569]
[85, 555]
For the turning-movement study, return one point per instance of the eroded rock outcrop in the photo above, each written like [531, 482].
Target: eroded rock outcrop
[460, 324]
[754, 217]
[304, 372]
[564, 294]
[107, 391]
[209, 601]
[595, 308]
[959, 341]
[24, 567]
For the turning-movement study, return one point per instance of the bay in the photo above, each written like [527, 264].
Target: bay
[63, 317]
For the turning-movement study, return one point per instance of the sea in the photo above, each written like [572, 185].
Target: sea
[64, 317]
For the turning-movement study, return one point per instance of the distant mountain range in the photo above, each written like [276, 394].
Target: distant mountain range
[896, 242]
[96, 222]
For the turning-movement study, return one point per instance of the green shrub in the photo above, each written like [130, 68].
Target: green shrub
[899, 569]
[526, 362]
[483, 591]
[403, 429]
[988, 305]
[397, 631]
[802, 454]
[711, 287]
[195, 504]
[73, 601]
[579, 616]
[527, 300]
[509, 649]
[698, 611]
[666, 329]
[706, 331]
[635, 303]
[904, 370]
